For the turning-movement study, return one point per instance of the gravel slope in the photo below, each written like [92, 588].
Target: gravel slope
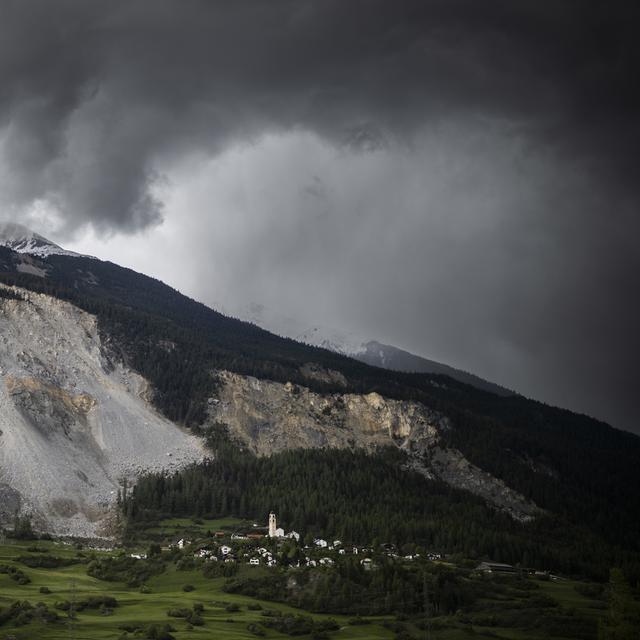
[72, 425]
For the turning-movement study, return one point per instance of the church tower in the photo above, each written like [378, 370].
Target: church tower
[272, 525]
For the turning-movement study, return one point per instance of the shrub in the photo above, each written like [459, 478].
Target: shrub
[196, 620]
[15, 574]
[188, 587]
[155, 632]
[125, 569]
[45, 590]
[46, 561]
[255, 629]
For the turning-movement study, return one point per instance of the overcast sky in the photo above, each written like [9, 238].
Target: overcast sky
[457, 178]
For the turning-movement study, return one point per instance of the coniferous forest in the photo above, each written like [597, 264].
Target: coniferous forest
[363, 498]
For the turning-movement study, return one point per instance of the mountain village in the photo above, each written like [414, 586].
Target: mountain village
[271, 546]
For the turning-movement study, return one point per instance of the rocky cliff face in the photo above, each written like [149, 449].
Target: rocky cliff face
[267, 417]
[73, 425]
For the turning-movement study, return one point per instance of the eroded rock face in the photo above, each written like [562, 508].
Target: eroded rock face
[48, 407]
[268, 417]
[72, 425]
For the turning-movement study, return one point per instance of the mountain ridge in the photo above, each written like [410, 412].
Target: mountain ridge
[371, 352]
[573, 467]
[23, 240]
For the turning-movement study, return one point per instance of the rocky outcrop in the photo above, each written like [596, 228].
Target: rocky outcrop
[267, 417]
[72, 425]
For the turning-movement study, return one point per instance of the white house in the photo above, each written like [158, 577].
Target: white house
[319, 542]
[337, 543]
[254, 561]
[294, 535]
[279, 533]
[182, 543]
[326, 561]
[225, 550]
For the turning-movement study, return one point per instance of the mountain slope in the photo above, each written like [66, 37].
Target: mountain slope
[390, 357]
[577, 468]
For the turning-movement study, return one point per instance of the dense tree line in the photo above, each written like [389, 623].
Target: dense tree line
[369, 499]
[348, 588]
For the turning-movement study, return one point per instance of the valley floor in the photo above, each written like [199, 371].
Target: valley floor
[226, 615]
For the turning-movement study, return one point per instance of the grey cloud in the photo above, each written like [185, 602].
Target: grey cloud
[97, 94]
[486, 207]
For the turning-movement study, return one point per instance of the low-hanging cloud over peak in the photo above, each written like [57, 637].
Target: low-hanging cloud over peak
[452, 176]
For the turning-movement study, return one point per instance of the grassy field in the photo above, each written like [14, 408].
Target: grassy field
[137, 608]
[221, 621]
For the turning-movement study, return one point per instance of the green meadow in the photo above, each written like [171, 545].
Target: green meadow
[231, 616]
[140, 609]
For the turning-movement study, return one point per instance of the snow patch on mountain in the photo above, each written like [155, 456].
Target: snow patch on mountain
[23, 240]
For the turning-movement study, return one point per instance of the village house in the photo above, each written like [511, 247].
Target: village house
[225, 550]
[254, 535]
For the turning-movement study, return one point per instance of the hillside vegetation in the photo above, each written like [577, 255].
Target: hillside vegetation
[578, 469]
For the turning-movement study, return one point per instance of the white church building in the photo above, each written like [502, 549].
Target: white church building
[274, 530]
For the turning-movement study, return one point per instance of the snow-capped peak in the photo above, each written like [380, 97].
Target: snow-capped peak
[343, 342]
[21, 239]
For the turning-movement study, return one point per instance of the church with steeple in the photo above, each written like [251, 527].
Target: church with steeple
[274, 531]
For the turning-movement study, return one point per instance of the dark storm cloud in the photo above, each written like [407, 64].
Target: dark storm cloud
[534, 106]
[95, 94]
